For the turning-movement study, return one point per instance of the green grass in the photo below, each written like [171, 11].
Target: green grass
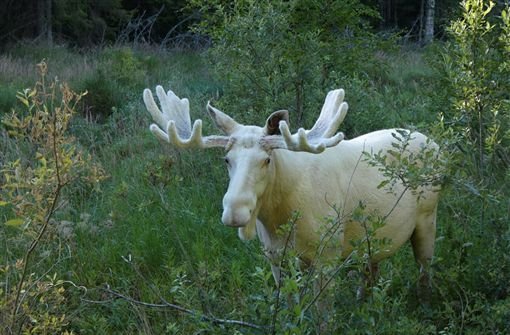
[154, 226]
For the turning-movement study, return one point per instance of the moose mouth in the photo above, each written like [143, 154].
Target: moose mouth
[237, 225]
[237, 218]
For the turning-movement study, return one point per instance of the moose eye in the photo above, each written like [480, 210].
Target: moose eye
[267, 161]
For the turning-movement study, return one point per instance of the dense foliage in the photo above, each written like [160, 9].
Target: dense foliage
[33, 188]
[475, 130]
[286, 53]
[141, 250]
[86, 23]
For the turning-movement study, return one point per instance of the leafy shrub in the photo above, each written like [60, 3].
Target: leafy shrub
[118, 73]
[7, 99]
[477, 68]
[474, 133]
[123, 66]
[33, 184]
[285, 54]
[103, 96]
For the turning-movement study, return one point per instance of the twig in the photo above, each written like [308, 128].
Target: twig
[168, 35]
[330, 278]
[180, 309]
[278, 289]
[140, 28]
[38, 280]
[35, 242]
[396, 203]
[323, 244]
[332, 230]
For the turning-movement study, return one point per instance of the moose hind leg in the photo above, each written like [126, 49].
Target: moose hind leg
[423, 240]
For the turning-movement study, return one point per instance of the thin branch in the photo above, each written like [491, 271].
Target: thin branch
[46, 222]
[396, 203]
[39, 279]
[330, 233]
[331, 276]
[168, 35]
[368, 240]
[180, 309]
[325, 240]
[278, 289]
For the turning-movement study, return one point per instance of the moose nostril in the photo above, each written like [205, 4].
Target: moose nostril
[236, 217]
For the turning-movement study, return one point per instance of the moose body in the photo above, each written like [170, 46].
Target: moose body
[328, 187]
[275, 174]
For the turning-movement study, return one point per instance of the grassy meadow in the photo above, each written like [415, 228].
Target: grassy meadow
[150, 231]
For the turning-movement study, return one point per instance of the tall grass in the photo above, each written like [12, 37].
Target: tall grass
[153, 231]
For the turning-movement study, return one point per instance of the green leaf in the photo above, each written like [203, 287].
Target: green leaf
[3, 203]
[383, 183]
[14, 222]
[21, 98]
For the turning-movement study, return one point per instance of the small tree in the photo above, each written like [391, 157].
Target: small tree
[475, 132]
[32, 192]
[477, 69]
[286, 54]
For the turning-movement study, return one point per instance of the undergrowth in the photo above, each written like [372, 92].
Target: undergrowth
[149, 236]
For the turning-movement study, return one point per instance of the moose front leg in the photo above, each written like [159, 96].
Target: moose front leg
[272, 250]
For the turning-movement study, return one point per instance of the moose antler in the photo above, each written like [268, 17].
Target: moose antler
[173, 122]
[320, 137]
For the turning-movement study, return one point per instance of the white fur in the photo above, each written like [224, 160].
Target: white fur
[321, 186]
[271, 179]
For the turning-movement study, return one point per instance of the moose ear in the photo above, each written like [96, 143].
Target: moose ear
[273, 122]
[222, 120]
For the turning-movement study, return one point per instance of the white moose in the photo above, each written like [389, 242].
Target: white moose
[274, 174]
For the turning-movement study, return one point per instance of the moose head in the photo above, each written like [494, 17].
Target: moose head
[249, 149]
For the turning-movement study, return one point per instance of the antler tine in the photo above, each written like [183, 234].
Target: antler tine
[302, 142]
[322, 135]
[332, 114]
[175, 119]
[195, 139]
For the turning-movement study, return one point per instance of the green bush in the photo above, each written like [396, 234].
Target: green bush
[42, 161]
[103, 95]
[123, 66]
[118, 74]
[477, 68]
[286, 54]
[7, 99]
[473, 131]
[153, 233]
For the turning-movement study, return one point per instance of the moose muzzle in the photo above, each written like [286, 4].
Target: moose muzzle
[237, 211]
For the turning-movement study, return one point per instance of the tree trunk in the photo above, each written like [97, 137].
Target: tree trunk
[49, 19]
[429, 21]
[422, 19]
[44, 17]
[388, 13]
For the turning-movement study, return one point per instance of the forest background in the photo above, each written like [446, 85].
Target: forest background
[103, 230]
